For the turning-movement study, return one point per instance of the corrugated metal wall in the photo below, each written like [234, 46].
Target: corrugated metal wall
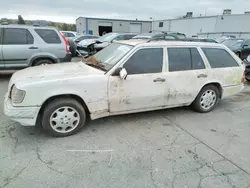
[212, 24]
[117, 25]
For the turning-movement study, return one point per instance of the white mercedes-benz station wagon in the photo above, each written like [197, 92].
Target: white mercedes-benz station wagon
[126, 77]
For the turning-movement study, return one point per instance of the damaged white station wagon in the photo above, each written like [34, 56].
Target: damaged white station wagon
[126, 77]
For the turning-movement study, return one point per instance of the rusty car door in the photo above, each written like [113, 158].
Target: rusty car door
[145, 83]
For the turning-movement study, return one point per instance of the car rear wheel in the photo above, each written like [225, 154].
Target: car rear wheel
[63, 117]
[72, 48]
[206, 99]
[43, 62]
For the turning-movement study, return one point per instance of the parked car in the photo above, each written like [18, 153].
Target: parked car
[23, 46]
[84, 37]
[70, 34]
[239, 46]
[160, 35]
[73, 43]
[126, 77]
[92, 46]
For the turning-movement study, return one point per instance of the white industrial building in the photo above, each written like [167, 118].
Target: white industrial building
[237, 25]
[97, 26]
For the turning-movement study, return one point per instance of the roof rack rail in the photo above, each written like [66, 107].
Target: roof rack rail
[160, 39]
[183, 40]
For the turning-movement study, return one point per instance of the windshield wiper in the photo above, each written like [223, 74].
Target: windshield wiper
[96, 66]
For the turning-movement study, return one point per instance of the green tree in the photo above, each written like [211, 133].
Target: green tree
[65, 27]
[20, 20]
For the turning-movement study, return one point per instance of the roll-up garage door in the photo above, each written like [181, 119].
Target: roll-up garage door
[135, 27]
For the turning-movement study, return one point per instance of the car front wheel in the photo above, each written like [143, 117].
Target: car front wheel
[63, 117]
[206, 99]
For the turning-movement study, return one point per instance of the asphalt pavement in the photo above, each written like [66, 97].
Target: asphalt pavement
[175, 148]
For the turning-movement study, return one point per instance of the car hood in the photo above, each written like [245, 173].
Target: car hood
[87, 42]
[54, 71]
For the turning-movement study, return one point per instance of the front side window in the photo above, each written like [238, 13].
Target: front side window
[17, 36]
[181, 59]
[149, 60]
[219, 58]
[49, 36]
[65, 34]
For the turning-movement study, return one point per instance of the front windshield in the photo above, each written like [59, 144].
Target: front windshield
[108, 37]
[110, 55]
[233, 43]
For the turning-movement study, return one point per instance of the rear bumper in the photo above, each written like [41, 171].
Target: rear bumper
[67, 58]
[26, 116]
[232, 90]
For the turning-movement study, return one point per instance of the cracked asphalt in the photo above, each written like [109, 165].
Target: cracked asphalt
[175, 148]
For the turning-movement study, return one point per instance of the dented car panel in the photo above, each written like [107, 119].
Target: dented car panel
[106, 94]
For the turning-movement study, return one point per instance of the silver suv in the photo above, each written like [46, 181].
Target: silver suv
[23, 46]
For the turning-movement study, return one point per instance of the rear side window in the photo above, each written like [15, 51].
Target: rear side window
[17, 36]
[181, 59]
[219, 58]
[49, 36]
[145, 61]
[71, 35]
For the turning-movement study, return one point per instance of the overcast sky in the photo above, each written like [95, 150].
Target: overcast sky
[68, 11]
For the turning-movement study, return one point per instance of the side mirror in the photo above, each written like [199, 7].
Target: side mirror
[245, 46]
[123, 74]
[77, 41]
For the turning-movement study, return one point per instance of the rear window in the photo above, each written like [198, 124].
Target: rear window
[49, 36]
[219, 58]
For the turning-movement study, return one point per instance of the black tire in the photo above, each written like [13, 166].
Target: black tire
[197, 106]
[59, 103]
[72, 48]
[247, 76]
[42, 62]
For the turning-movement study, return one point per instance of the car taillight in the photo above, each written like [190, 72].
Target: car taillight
[66, 43]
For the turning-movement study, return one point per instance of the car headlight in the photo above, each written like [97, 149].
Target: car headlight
[17, 95]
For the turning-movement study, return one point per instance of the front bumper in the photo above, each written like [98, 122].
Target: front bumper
[26, 116]
[67, 58]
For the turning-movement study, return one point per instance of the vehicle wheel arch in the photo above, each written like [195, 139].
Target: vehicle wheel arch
[62, 96]
[216, 84]
[35, 59]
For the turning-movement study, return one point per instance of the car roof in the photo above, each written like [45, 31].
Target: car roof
[27, 26]
[140, 42]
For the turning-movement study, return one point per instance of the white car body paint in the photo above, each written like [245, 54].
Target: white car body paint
[106, 95]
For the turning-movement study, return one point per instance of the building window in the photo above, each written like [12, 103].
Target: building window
[160, 24]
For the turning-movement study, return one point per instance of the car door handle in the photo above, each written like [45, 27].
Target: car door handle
[159, 80]
[33, 47]
[202, 76]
